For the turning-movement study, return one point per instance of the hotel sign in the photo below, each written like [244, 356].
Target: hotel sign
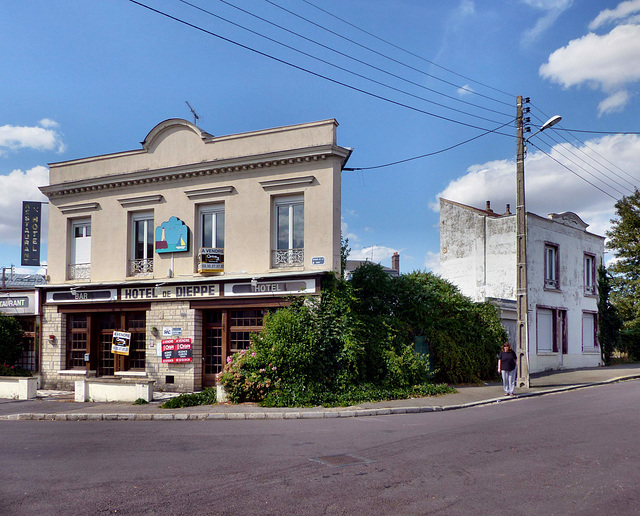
[271, 288]
[31, 223]
[190, 291]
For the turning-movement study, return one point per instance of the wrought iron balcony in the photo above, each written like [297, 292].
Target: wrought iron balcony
[79, 271]
[288, 258]
[142, 267]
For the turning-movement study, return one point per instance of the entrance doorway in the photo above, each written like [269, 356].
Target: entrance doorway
[92, 334]
[226, 332]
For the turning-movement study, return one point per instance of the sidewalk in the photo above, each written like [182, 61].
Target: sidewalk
[59, 406]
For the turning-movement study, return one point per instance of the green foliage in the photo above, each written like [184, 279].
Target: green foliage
[7, 370]
[141, 401]
[624, 239]
[10, 340]
[205, 397]
[355, 343]
[609, 322]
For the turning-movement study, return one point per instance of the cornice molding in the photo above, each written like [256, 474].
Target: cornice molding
[74, 208]
[209, 192]
[140, 199]
[284, 183]
[157, 177]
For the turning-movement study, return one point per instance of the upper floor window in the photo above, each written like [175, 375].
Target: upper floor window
[289, 231]
[551, 277]
[212, 226]
[80, 250]
[589, 274]
[142, 236]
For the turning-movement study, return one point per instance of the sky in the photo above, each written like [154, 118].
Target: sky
[403, 78]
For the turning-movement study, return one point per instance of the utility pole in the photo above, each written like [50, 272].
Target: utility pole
[521, 256]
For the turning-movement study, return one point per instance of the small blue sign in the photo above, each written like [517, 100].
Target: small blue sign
[317, 260]
[172, 236]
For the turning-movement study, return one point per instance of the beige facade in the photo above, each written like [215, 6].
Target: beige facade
[192, 238]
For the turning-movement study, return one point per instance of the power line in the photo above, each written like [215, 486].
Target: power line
[393, 88]
[414, 55]
[599, 132]
[591, 157]
[351, 169]
[573, 172]
[343, 54]
[306, 70]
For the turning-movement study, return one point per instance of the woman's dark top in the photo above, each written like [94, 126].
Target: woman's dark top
[507, 360]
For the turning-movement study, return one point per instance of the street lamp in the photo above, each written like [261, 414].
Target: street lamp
[522, 335]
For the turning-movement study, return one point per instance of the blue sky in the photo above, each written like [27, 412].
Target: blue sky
[88, 78]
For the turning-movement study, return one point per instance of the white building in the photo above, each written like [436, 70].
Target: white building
[478, 254]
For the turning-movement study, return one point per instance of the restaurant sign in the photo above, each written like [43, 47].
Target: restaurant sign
[19, 303]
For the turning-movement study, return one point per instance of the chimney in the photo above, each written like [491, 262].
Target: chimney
[395, 262]
[489, 207]
[508, 212]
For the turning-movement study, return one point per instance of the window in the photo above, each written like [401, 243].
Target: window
[289, 232]
[141, 244]
[589, 332]
[589, 274]
[80, 255]
[551, 330]
[551, 279]
[212, 226]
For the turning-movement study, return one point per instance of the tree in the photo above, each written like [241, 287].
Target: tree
[609, 321]
[624, 239]
[10, 340]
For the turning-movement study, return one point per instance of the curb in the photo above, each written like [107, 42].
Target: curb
[350, 412]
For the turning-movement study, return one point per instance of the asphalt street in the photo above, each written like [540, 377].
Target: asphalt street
[573, 452]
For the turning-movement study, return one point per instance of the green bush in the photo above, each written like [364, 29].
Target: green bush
[7, 370]
[205, 397]
[10, 340]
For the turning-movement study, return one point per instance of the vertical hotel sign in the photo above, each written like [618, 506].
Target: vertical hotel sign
[31, 233]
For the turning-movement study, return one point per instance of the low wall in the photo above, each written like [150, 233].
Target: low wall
[18, 387]
[91, 389]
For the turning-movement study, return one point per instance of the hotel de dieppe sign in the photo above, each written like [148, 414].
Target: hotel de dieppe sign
[184, 291]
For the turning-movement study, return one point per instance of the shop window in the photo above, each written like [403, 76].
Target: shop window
[142, 235]
[78, 338]
[80, 251]
[29, 358]
[242, 324]
[288, 232]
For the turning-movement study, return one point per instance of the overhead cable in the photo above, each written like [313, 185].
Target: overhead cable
[310, 72]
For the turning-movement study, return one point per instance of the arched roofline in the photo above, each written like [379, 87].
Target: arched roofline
[172, 123]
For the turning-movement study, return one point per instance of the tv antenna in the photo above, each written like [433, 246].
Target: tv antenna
[193, 111]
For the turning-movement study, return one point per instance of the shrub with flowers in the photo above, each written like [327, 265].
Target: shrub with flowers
[10, 340]
[247, 378]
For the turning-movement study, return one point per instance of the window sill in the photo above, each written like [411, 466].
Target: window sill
[594, 352]
[82, 372]
[589, 294]
[546, 353]
[131, 373]
[551, 289]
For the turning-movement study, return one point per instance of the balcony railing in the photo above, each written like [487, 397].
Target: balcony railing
[142, 267]
[79, 271]
[288, 258]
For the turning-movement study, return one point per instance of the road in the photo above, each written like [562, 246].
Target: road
[568, 453]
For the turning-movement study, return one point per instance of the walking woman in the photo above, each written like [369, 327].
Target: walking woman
[507, 366]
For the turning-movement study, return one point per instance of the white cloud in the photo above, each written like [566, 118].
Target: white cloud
[432, 262]
[23, 187]
[47, 123]
[552, 188]
[621, 12]
[465, 90]
[553, 8]
[607, 61]
[614, 103]
[38, 138]
[374, 253]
